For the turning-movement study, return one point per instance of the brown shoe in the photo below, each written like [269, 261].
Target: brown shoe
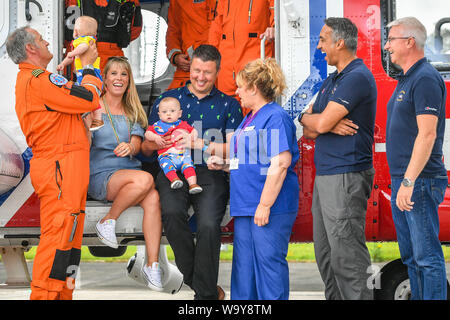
[220, 293]
[195, 188]
[96, 124]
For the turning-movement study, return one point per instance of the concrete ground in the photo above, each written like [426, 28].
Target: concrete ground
[108, 281]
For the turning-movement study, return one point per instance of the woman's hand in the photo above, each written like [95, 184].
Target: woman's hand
[216, 163]
[262, 215]
[185, 140]
[123, 149]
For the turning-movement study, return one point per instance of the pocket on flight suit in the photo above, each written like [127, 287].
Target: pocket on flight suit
[69, 222]
[67, 258]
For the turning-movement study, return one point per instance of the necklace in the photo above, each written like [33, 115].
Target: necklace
[112, 122]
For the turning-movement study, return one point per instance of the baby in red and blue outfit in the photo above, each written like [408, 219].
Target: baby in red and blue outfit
[173, 157]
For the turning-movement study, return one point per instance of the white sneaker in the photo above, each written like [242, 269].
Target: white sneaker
[106, 232]
[153, 276]
[176, 184]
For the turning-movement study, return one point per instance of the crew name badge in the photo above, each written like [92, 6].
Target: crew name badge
[234, 164]
[249, 128]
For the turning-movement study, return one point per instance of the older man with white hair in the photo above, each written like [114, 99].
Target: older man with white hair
[414, 137]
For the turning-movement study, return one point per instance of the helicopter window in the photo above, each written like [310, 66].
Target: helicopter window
[437, 47]
[4, 22]
[141, 52]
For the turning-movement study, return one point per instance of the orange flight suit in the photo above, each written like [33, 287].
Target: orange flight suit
[188, 25]
[236, 33]
[111, 49]
[49, 112]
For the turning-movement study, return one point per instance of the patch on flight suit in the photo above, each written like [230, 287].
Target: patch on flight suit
[81, 92]
[37, 72]
[57, 79]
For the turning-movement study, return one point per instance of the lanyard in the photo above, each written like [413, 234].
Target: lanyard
[247, 121]
[112, 122]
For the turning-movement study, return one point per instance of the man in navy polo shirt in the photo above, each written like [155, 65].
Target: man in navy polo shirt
[215, 116]
[342, 121]
[414, 136]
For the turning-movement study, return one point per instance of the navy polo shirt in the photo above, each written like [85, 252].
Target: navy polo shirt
[420, 91]
[355, 89]
[213, 116]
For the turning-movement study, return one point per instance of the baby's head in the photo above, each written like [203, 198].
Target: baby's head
[169, 109]
[85, 26]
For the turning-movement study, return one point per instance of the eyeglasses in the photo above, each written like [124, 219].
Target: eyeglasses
[390, 39]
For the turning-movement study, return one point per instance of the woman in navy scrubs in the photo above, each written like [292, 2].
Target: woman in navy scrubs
[263, 186]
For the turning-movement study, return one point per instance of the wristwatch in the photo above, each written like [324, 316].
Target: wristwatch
[300, 116]
[407, 182]
[205, 145]
[89, 66]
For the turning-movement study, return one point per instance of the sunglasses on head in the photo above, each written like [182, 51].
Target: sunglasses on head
[118, 58]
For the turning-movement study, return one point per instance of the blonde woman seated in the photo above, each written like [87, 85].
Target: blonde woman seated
[263, 186]
[115, 174]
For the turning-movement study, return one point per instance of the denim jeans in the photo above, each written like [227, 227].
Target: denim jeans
[418, 238]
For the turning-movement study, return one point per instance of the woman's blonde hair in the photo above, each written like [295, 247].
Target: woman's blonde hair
[266, 75]
[132, 104]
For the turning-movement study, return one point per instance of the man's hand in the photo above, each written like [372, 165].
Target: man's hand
[269, 34]
[148, 147]
[181, 60]
[345, 127]
[90, 55]
[403, 200]
[161, 141]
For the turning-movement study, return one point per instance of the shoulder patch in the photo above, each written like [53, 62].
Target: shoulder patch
[57, 79]
[37, 72]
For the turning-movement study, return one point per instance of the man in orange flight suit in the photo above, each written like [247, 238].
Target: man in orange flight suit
[236, 32]
[49, 109]
[119, 23]
[188, 25]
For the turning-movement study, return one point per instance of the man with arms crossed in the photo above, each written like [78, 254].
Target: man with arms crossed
[414, 136]
[342, 122]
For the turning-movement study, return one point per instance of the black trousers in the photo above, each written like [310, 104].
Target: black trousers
[196, 257]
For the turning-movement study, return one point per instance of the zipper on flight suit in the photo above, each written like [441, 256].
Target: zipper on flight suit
[58, 169]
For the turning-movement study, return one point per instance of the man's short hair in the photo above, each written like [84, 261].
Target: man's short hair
[17, 42]
[206, 52]
[345, 29]
[412, 27]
